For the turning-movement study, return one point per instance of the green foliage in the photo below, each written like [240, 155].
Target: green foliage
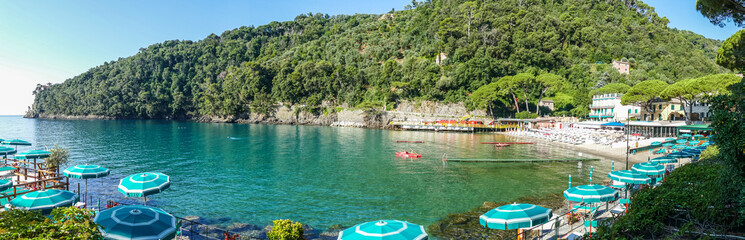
[611, 88]
[65, 223]
[526, 115]
[711, 154]
[644, 93]
[728, 122]
[367, 57]
[732, 53]
[697, 197]
[720, 12]
[59, 157]
[285, 230]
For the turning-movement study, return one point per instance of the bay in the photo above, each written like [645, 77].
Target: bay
[254, 173]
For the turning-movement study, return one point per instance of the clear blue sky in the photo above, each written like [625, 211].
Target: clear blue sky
[50, 41]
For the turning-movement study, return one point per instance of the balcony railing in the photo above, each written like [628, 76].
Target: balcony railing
[601, 106]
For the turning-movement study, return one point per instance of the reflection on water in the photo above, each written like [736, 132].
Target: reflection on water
[317, 175]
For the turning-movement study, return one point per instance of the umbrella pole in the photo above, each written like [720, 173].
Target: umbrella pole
[86, 193]
[144, 199]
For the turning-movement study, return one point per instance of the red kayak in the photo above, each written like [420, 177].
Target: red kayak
[501, 145]
[408, 155]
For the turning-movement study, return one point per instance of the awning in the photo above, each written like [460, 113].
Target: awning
[698, 127]
[613, 124]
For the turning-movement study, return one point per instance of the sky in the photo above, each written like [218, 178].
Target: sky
[51, 41]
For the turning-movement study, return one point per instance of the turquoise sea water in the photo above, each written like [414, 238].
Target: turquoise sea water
[316, 175]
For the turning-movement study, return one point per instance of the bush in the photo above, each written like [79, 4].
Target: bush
[285, 230]
[525, 115]
[65, 223]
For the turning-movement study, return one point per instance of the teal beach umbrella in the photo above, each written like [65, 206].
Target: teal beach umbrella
[668, 145]
[136, 222]
[649, 169]
[655, 144]
[16, 142]
[629, 176]
[514, 216]
[681, 141]
[679, 146]
[694, 142]
[144, 184]
[680, 155]
[5, 151]
[692, 151]
[669, 139]
[5, 184]
[33, 154]
[384, 230]
[44, 200]
[86, 172]
[685, 135]
[664, 160]
[698, 136]
[591, 193]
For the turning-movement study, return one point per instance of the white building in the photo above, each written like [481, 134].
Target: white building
[700, 111]
[607, 107]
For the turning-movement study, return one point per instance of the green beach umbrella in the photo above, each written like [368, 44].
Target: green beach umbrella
[136, 222]
[685, 135]
[649, 169]
[514, 216]
[629, 176]
[664, 160]
[44, 200]
[86, 172]
[591, 193]
[144, 184]
[33, 154]
[5, 184]
[384, 230]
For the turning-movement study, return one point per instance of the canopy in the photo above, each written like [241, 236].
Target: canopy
[44, 200]
[17, 142]
[664, 160]
[629, 176]
[144, 184]
[384, 230]
[650, 169]
[698, 127]
[514, 216]
[33, 154]
[612, 124]
[136, 222]
[86, 171]
[591, 193]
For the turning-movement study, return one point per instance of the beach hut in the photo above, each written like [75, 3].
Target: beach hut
[136, 222]
[44, 200]
[86, 172]
[384, 230]
[519, 216]
[144, 184]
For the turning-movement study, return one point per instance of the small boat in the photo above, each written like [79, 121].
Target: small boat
[408, 155]
[406, 141]
[507, 142]
[501, 145]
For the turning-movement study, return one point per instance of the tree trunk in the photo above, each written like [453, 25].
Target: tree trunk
[491, 112]
[690, 112]
[525, 94]
[517, 106]
[540, 97]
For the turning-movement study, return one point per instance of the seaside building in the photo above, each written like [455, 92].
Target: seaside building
[700, 112]
[608, 107]
[623, 67]
[547, 103]
[654, 129]
[664, 111]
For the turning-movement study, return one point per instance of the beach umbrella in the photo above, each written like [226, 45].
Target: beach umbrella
[706, 144]
[629, 176]
[591, 193]
[86, 172]
[669, 139]
[144, 184]
[691, 151]
[700, 148]
[680, 155]
[668, 145]
[7, 150]
[514, 216]
[136, 222]
[698, 136]
[664, 160]
[655, 144]
[679, 146]
[33, 154]
[5, 184]
[681, 141]
[44, 200]
[694, 142]
[650, 169]
[384, 230]
[16, 142]
[685, 135]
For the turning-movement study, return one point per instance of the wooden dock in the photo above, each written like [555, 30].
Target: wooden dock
[505, 160]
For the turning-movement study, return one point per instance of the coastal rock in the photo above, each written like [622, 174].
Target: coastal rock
[242, 227]
[329, 234]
